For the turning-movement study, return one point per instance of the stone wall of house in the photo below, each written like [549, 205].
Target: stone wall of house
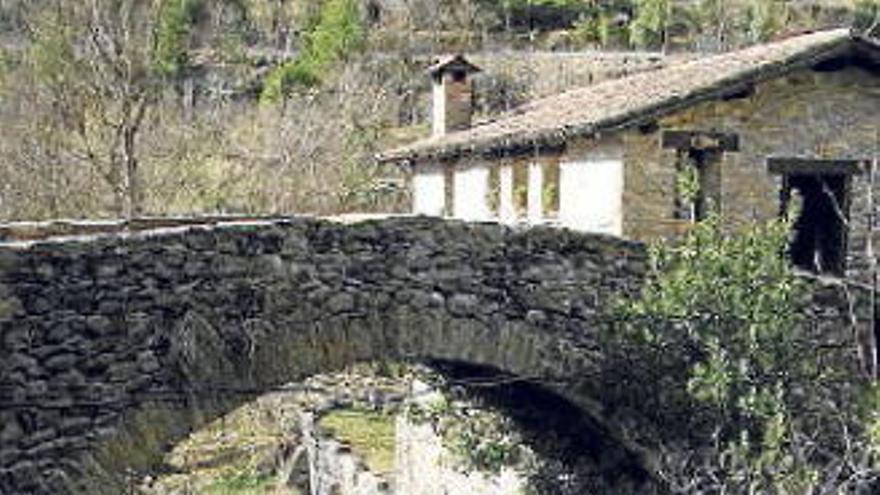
[649, 188]
[810, 114]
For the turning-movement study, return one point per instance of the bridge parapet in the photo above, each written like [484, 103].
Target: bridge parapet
[61, 230]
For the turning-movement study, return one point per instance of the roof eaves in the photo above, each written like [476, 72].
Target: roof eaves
[553, 136]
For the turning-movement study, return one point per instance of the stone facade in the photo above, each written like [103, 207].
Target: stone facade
[811, 114]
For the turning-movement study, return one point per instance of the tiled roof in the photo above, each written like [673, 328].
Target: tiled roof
[634, 99]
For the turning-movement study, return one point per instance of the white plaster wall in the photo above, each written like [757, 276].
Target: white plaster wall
[470, 191]
[425, 467]
[506, 211]
[429, 190]
[438, 111]
[334, 469]
[535, 201]
[591, 194]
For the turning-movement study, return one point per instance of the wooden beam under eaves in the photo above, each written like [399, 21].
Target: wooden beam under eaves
[699, 140]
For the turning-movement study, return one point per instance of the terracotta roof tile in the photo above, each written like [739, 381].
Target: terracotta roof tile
[633, 99]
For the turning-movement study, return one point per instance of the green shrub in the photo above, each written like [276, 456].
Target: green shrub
[337, 34]
[176, 19]
[867, 14]
[648, 28]
[725, 366]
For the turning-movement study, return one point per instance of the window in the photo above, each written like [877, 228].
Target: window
[698, 184]
[698, 169]
[819, 238]
[820, 190]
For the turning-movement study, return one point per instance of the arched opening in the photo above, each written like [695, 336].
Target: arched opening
[375, 428]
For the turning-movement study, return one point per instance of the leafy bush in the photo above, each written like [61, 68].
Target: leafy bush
[741, 398]
[867, 14]
[479, 439]
[648, 28]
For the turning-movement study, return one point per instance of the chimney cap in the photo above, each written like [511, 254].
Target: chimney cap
[450, 63]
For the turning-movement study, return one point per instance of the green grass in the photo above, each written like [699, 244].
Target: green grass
[241, 483]
[370, 434]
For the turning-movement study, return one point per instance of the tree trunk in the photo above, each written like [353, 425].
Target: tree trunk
[134, 203]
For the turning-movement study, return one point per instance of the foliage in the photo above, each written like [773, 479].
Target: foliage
[719, 323]
[176, 19]
[242, 483]
[587, 29]
[479, 439]
[687, 182]
[766, 18]
[648, 28]
[544, 14]
[92, 82]
[612, 32]
[337, 34]
[867, 15]
[109, 116]
[549, 198]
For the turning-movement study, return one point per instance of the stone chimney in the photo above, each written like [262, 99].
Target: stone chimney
[453, 94]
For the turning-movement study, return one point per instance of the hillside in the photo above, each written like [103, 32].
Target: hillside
[243, 106]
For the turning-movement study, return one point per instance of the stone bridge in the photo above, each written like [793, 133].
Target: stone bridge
[114, 346]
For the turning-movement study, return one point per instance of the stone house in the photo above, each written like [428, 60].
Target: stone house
[747, 130]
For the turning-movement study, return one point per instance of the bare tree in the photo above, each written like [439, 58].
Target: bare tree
[93, 64]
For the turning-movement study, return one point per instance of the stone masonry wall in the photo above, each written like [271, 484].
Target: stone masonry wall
[114, 347]
[810, 114]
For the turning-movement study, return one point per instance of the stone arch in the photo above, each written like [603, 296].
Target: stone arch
[146, 328]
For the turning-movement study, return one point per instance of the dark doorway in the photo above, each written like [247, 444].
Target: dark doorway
[819, 238]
